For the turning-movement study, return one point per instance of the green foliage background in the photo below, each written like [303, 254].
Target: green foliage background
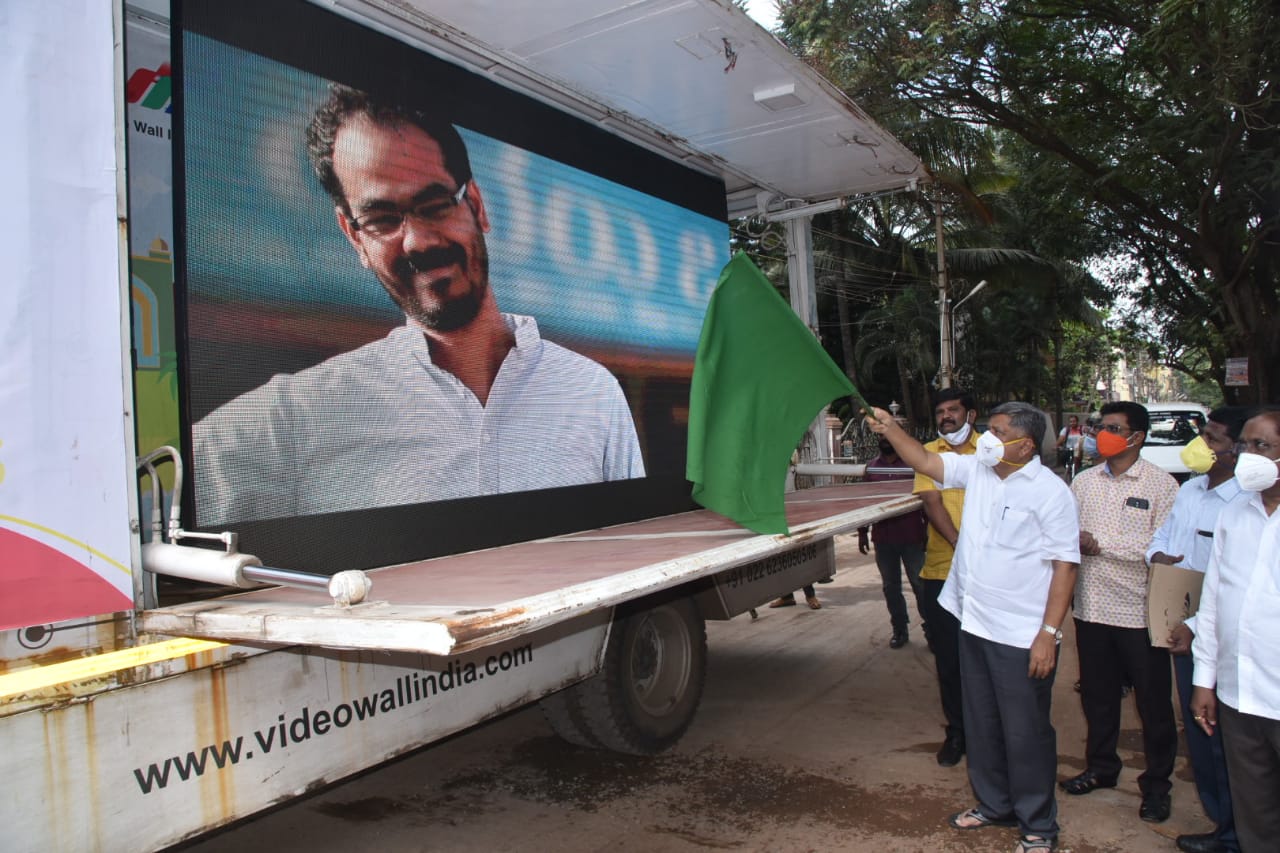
[1112, 169]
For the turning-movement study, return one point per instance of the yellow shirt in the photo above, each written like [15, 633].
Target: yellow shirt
[938, 551]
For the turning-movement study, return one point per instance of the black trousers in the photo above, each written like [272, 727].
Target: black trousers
[1110, 657]
[1253, 759]
[1208, 760]
[891, 560]
[1012, 746]
[944, 641]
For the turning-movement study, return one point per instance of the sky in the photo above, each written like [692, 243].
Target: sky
[765, 12]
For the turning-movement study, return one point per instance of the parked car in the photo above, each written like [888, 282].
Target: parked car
[1173, 426]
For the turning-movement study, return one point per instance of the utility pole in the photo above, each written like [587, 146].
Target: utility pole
[945, 367]
[804, 302]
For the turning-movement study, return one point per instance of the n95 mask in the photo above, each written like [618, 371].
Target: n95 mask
[1255, 472]
[1197, 456]
[991, 449]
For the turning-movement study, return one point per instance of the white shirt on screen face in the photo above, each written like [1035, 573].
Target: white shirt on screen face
[1013, 529]
[381, 425]
[1237, 646]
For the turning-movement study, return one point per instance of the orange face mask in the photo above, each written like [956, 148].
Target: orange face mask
[1110, 444]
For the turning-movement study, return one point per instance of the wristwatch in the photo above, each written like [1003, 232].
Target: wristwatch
[1049, 629]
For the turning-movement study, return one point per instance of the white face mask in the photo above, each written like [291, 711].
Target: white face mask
[960, 436]
[990, 449]
[1255, 472]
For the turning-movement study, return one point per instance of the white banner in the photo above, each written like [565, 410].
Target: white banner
[64, 521]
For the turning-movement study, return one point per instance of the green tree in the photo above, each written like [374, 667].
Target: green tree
[902, 334]
[1152, 123]
[877, 283]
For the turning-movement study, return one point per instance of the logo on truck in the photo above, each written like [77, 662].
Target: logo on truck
[151, 88]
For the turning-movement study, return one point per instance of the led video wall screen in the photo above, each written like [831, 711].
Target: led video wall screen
[420, 312]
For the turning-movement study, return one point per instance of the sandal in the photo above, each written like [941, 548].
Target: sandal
[974, 819]
[1036, 844]
[813, 602]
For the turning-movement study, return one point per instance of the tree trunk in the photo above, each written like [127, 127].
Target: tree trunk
[1263, 352]
[1057, 374]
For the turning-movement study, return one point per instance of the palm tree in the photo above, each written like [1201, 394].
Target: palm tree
[902, 331]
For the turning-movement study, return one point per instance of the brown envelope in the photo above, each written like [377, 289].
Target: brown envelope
[1173, 594]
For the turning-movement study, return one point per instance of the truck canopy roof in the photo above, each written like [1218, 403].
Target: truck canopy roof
[695, 80]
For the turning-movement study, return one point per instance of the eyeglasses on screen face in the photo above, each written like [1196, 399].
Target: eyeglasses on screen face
[387, 223]
[1114, 429]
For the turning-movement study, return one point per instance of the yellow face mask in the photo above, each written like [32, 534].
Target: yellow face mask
[1197, 456]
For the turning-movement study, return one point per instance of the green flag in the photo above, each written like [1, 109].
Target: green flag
[759, 380]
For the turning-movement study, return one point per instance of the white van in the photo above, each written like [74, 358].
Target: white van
[1173, 426]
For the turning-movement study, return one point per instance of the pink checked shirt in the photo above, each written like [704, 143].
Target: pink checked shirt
[1123, 513]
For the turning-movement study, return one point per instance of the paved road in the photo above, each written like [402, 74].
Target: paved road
[812, 736]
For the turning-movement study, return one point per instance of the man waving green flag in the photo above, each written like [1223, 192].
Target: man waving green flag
[759, 380]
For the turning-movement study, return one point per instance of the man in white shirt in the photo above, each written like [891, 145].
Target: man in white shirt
[1186, 540]
[1237, 643]
[1010, 587]
[461, 401]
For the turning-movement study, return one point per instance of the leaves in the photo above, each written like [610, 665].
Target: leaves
[1140, 136]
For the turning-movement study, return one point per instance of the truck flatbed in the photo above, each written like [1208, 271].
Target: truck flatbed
[456, 603]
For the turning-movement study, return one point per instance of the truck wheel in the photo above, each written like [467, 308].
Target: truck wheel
[562, 711]
[644, 697]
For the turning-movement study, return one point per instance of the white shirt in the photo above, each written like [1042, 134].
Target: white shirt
[1237, 648]
[1013, 529]
[381, 425]
[1189, 528]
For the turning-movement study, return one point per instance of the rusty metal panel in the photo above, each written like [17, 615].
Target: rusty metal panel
[139, 768]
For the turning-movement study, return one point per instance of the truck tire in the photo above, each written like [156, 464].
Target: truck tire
[646, 693]
[561, 710]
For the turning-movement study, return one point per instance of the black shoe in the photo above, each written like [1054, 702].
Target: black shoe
[1089, 781]
[951, 752]
[899, 639]
[1155, 808]
[1206, 843]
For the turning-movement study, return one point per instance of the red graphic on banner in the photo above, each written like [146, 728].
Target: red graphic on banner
[45, 585]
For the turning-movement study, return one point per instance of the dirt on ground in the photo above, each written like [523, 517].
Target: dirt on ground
[813, 735]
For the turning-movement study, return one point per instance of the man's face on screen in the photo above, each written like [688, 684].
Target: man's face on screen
[412, 223]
